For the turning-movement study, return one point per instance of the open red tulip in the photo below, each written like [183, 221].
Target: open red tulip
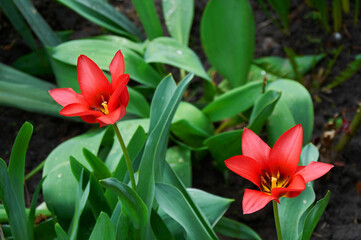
[275, 171]
[100, 101]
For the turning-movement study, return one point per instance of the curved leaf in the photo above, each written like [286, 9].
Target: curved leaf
[103, 229]
[233, 229]
[228, 38]
[169, 51]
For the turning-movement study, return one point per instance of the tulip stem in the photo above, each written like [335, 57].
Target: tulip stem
[126, 155]
[277, 220]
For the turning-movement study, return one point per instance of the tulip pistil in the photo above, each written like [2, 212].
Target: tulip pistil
[274, 181]
[104, 108]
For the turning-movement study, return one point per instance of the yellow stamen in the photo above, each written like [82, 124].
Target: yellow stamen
[274, 182]
[105, 109]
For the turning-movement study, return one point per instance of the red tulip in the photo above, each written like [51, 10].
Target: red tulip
[275, 171]
[99, 101]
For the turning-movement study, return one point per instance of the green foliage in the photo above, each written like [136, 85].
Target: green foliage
[226, 28]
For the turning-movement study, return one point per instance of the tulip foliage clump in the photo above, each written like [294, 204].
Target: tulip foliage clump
[131, 177]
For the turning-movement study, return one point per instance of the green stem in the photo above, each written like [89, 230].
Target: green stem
[277, 220]
[126, 155]
[35, 171]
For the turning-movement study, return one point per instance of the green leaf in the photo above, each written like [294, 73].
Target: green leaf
[314, 216]
[322, 8]
[258, 74]
[172, 201]
[263, 107]
[224, 145]
[104, 15]
[294, 107]
[138, 47]
[17, 160]
[168, 51]
[45, 230]
[137, 68]
[138, 105]
[34, 200]
[34, 63]
[103, 229]
[282, 67]
[37, 23]
[160, 230]
[233, 229]
[179, 159]
[191, 125]
[228, 38]
[60, 233]
[14, 207]
[282, 9]
[233, 102]
[149, 18]
[211, 205]
[178, 16]
[100, 170]
[132, 204]
[154, 152]
[11, 11]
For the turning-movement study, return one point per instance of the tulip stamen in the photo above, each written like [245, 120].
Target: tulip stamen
[104, 108]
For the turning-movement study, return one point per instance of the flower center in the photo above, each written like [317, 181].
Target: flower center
[269, 182]
[104, 108]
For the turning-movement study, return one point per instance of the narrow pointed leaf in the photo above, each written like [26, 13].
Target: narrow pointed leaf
[103, 229]
[31, 216]
[233, 229]
[100, 170]
[160, 229]
[168, 51]
[60, 233]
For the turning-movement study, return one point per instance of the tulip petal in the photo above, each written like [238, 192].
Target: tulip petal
[92, 81]
[254, 147]
[112, 117]
[89, 119]
[296, 186]
[255, 200]
[285, 154]
[245, 167]
[116, 68]
[77, 109]
[314, 170]
[66, 96]
[116, 98]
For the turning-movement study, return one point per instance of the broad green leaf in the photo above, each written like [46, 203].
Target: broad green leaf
[138, 105]
[154, 152]
[103, 229]
[81, 200]
[60, 233]
[138, 47]
[45, 230]
[179, 159]
[233, 102]
[105, 15]
[17, 160]
[282, 67]
[263, 107]
[291, 210]
[137, 68]
[178, 16]
[34, 63]
[11, 11]
[191, 125]
[159, 228]
[224, 145]
[132, 204]
[294, 107]
[171, 178]
[228, 38]
[314, 216]
[40, 27]
[168, 51]
[100, 170]
[149, 18]
[211, 205]
[15, 208]
[233, 229]
[172, 202]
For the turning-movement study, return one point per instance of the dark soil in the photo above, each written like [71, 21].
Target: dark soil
[343, 214]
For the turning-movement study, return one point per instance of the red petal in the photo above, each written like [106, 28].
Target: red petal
[92, 81]
[77, 109]
[112, 117]
[89, 119]
[116, 67]
[245, 167]
[254, 147]
[296, 186]
[255, 200]
[314, 170]
[286, 152]
[116, 98]
[66, 96]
